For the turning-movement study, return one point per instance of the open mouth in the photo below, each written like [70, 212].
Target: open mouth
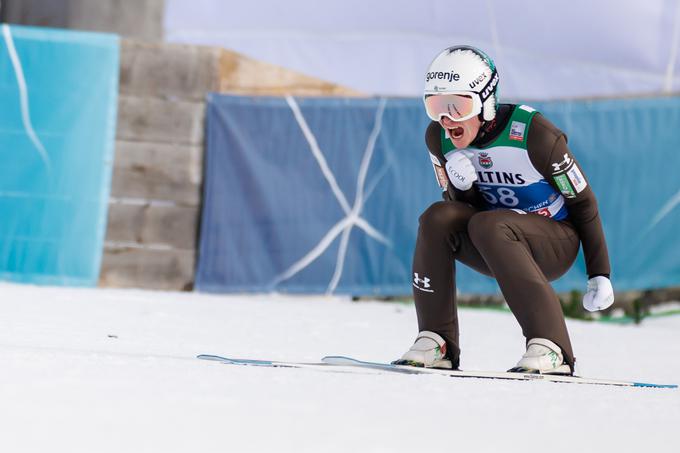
[456, 132]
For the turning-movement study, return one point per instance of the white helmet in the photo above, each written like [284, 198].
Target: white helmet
[465, 70]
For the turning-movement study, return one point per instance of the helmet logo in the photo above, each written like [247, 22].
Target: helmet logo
[450, 76]
[478, 80]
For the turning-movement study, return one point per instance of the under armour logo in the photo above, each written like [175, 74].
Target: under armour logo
[417, 280]
[558, 166]
[421, 283]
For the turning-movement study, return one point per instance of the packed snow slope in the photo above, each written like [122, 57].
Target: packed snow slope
[92, 370]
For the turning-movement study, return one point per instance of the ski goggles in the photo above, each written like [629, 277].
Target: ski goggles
[456, 107]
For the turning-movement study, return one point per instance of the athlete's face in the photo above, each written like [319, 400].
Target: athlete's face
[462, 133]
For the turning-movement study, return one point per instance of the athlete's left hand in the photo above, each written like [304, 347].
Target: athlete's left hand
[600, 294]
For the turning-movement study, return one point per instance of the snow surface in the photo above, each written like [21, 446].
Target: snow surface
[94, 370]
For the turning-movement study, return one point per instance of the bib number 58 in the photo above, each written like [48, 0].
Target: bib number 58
[502, 195]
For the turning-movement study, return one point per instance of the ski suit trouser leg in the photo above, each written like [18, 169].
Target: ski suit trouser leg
[522, 251]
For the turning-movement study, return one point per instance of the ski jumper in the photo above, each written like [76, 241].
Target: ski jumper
[521, 223]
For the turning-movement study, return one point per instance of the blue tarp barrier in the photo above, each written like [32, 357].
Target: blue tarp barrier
[323, 195]
[57, 130]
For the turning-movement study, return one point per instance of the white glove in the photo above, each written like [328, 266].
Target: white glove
[600, 294]
[460, 170]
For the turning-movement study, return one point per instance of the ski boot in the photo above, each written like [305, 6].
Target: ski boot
[542, 357]
[428, 351]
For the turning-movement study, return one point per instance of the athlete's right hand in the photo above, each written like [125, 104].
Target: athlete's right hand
[460, 170]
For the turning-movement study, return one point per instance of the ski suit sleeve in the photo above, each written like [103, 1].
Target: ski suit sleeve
[550, 155]
[449, 192]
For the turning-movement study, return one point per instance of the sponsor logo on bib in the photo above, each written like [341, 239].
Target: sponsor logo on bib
[485, 160]
[517, 131]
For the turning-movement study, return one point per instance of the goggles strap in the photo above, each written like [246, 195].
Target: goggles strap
[485, 93]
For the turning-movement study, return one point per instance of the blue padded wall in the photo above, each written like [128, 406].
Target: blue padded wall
[57, 129]
[283, 176]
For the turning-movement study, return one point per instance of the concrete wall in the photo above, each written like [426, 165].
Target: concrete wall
[156, 189]
[141, 19]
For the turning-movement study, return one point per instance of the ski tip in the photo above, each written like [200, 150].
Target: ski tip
[336, 359]
[344, 360]
[657, 386]
[209, 357]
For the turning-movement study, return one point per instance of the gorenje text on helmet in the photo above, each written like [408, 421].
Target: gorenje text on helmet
[450, 76]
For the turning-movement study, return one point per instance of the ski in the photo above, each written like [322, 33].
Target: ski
[274, 364]
[344, 364]
[351, 362]
[323, 366]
